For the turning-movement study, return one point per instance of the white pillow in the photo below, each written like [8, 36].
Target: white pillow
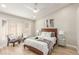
[46, 34]
[53, 34]
[43, 34]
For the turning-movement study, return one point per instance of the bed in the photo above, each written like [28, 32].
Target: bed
[44, 45]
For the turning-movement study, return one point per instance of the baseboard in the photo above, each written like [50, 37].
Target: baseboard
[78, 51]
[3, 46]
[71, 46]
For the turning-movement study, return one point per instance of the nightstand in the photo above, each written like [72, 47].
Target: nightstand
[61, 39]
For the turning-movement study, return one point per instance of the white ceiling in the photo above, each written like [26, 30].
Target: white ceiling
[20, 9]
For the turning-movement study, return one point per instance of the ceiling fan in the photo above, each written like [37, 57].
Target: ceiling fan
[35, 9]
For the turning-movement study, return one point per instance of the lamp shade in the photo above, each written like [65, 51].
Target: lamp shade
[61, 32]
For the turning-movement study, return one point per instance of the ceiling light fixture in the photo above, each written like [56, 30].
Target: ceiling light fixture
[3, 5]
[35, 8]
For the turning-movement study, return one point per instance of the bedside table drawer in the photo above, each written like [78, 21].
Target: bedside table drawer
[61, 42]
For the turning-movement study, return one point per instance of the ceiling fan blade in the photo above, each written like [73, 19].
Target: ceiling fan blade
[33, 9]
[29, 8]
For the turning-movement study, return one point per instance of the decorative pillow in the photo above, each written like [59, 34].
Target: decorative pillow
[53, 34]
[48, 34]
[12, 37]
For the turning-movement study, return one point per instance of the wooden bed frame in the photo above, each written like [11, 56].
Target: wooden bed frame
[44, 30]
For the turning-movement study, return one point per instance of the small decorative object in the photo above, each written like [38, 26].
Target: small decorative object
[36, 37]
[37, 32]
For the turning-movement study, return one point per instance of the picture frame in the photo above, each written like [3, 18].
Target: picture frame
[49, 22]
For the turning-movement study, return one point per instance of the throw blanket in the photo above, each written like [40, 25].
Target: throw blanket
[49, 43]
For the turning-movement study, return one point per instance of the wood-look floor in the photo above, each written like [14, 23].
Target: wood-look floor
[19, 50]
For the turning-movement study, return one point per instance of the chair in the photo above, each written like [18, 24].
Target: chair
[12, 39]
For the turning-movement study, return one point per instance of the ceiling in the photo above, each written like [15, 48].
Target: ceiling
[20, 9]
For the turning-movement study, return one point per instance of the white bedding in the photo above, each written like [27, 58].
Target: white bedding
[42, 46]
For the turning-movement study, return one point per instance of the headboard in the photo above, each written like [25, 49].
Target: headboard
[50, 30]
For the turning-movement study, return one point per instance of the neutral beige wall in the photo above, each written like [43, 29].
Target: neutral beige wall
[64, 19]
